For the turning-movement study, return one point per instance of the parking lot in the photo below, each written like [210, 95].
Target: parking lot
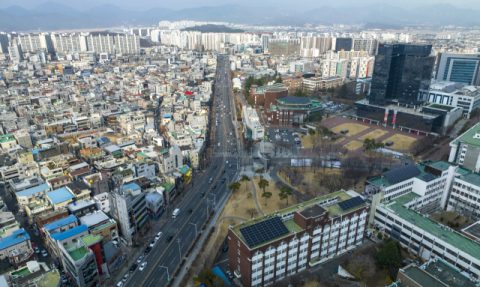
[335, 108]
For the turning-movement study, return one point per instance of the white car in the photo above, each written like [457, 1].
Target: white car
[64, 279]
[36, 250]
[144, 264]
[125, 278]
[153, 243]
[44, 253]
[140, 259]
[120, 284]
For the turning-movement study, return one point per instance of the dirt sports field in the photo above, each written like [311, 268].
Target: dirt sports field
[359, 131]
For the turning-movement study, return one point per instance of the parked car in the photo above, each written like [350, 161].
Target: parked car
[140, 259]
[125, 278]
[144, 264]
[120, 284]
[36, 249]
[147, 250]
[159, 234]
[64, 279]
[229, 274]
[133, 267]
[44, 253]
[153, 243]
[225, 248]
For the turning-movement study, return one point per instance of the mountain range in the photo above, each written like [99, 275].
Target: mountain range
[55, 16]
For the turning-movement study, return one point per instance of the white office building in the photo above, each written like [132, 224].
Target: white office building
[459, 68]
[454, 95]
[252, 128]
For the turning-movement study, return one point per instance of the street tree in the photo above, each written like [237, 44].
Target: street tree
[263, 183]
[245, 178]
[285, 192]
[267, 195]
[259, 171]
[234, 186]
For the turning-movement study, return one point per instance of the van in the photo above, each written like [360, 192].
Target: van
[159, 234]
[211, 180]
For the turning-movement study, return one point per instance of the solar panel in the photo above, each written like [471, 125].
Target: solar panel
[352, 202]
[264, 231]
[402, 173]
[428, 177]
[16, 180]
[33, 180]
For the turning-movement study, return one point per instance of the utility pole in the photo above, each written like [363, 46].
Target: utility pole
[194, 224]
[168, 276]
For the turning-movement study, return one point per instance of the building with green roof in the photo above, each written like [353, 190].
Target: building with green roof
[465, 149]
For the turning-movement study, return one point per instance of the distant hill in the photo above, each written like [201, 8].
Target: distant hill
[210, 28]
[55, 16]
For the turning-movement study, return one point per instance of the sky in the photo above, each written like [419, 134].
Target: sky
[298, 5]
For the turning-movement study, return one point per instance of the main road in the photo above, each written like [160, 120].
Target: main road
[165, 257]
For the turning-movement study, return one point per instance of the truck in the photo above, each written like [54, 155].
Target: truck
[175, 213]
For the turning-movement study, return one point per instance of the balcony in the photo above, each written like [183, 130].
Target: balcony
[315, 239]
[256, 274]
[256, 266]
[316, 246]
[258, 281]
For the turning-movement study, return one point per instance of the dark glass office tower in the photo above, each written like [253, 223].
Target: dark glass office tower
[345, 44]
[400, 71]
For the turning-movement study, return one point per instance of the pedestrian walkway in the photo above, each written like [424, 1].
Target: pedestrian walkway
[254, 189]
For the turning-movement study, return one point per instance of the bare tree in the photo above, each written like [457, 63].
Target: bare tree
[252, 211]
[333, 182]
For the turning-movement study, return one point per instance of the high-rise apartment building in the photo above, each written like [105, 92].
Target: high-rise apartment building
[369, 45]
[265, 39]
[333, 68]
[127, 44]
[460, 68]
[400, 71]
[100, 44]
[314, 46]
[3, 43]
[16, 53]
[34, 42]
[69, 42]
[361, 67]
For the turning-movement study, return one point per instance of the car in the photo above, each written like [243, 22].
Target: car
[221, 155]
[230, 275]
[147, 250]
[213, 187]
[215, 167]
[159, 234]
[225, 248]
[153, 243]
[223, 180]
[64, 278]
[223, 171]
[133, 268]
[120, 284]
[190, 211]
[169, 238]
[44, 253]
[140, 259]
[144, 264]
[202, 194]
[125, 278]
[36, 249]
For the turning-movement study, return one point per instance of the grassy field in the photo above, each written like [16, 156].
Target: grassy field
[374, 134]
[450, 216]
[353, 145]
[307, 140]
[400, 142]
[353, 129]
[273, 203]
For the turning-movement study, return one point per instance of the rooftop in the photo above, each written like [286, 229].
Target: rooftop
[91, 239]
[62, 222]
[434, 228]
[17, 236]
[468, 137]
[60, 236]
[34, 190]
[60, 195]
[473, 178]
[78, 253]
[438, 271]
[94, 218]
[441, 107]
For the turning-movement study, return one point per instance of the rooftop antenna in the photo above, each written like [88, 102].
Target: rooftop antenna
[118, 183]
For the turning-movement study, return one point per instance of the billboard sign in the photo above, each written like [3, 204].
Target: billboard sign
[394, 117]
[301, 162]
[386, 116]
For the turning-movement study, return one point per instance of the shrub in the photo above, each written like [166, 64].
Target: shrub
[457, 225]
[441, 218]
[379, 235]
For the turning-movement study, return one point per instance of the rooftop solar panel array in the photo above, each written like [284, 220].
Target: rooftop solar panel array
[264, 231]
[352, 202]
[402, 173]
[428, 177]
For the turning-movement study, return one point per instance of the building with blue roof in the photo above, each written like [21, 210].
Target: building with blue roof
[64, 238]
[60, 197]
[24, 197]
[19, 240]
[61, 225]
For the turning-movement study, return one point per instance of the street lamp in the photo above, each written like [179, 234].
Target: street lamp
[168, 276]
